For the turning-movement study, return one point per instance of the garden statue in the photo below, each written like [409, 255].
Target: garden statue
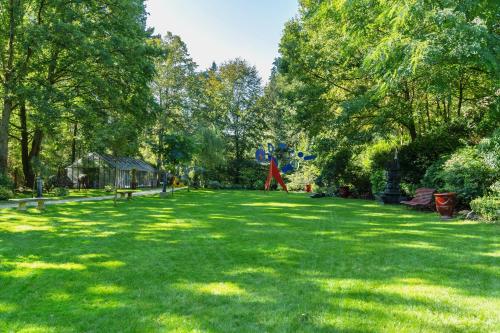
[392, 192]
[282, 158]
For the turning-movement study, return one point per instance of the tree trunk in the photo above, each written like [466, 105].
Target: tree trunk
[29, 176]
[460, 97]
[4, 133]
[28, 158]
[73, 144]
[7, 94]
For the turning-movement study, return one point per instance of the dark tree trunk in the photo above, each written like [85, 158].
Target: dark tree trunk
[73, 144]
[460, 97]
[7, 93]
[4, 134]
[29, 176]
[28, 156]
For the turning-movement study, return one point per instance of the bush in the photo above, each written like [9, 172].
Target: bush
[433, 177]
[416, 157]
[5, 193]
[466, 173]
[488, 207]
[253, 175]
[377, 155]
[60, 191]
[109, 188]
[307, 174]
[259, 184]
[214, 185]
[6, 182]
[378, 181]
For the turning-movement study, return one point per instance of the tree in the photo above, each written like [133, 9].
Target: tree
[239, 93]
[173, 87]
[69, 72]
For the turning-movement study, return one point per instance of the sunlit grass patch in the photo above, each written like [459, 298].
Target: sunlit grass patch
[234, 261]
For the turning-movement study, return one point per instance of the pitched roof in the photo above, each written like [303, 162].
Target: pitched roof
[122, 163]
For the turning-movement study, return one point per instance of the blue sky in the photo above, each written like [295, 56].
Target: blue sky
[219, 30]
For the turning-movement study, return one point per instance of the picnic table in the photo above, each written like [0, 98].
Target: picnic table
[23, 202]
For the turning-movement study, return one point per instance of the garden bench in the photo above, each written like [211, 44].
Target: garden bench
[22, 202]
[128, 193]
[423, 198]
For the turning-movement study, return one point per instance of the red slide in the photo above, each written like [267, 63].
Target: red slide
[274, 172]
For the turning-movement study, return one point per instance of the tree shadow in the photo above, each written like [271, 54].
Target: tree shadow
[244, 261]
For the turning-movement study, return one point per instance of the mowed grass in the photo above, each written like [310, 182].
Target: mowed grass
[245, 262]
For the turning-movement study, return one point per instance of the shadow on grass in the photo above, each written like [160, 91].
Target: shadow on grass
[245, 261]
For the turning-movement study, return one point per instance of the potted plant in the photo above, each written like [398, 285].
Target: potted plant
[133, 183]
[445, 204]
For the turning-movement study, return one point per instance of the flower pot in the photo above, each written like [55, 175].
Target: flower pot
[445, 204]
[308, 188]
[344, 191]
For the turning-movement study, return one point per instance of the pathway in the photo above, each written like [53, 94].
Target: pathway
[106, 197]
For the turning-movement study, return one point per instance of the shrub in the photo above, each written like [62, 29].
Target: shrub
[495, 188]
[5, 193]
[234, 187]
[416, 157]
[259, 184]
[378, 180]
[433, 177]
[6, 181]
[488, 207]
[214, 184]
[409, 189]
[61, 191]
[109, 188]
[466, 173]
[307, 174]
[376, 156]
[253, 174]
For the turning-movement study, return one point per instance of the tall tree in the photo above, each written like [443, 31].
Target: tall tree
[243, 120]
[76, 72]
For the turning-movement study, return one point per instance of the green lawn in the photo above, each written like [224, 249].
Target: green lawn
[245, 262]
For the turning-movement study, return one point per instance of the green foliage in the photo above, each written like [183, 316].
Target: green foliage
[6, 181]
[378, 181]
[109, 188]
[371, 73]
[5, 192]
[376, 156]
[466, 173]
[177, 148]
[253, 175]
[308, 173]
[60, 191]
[416, 157]
[488, 207]
[214, 185]
[433, 177]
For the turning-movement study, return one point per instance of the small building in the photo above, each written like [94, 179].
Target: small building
[98, 170]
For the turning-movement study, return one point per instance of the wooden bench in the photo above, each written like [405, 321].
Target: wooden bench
[127, 192]
[22, 203]
[423, 198]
